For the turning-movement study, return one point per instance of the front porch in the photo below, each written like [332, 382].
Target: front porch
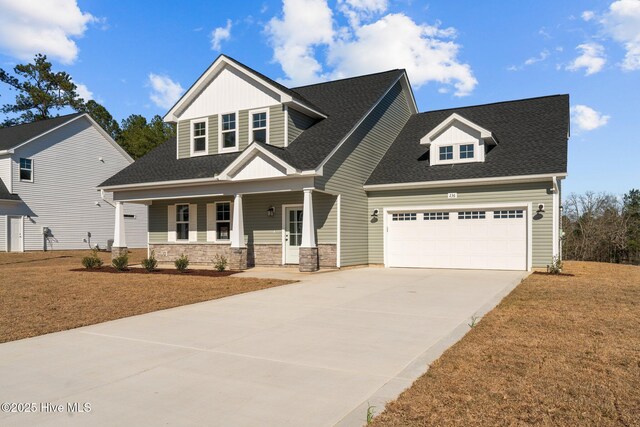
[283, 228]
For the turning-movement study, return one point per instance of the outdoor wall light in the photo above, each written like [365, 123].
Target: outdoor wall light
[375, 213]
[271, 211]
[541, 208]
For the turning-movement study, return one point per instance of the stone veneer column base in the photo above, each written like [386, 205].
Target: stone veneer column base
[237, 259]
[117, 251]
[308, 259]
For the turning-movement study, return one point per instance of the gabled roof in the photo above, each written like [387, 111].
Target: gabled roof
[13, 136]
[288, 96]
[449, 121]
[532, 133]
[5, 195]
[345, 102]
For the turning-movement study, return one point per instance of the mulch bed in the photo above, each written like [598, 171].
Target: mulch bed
[199, 273]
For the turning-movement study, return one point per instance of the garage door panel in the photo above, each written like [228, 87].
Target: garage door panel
[475, 240]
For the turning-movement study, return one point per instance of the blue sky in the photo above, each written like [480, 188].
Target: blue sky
[138, 57]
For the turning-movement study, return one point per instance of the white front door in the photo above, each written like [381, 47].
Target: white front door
[15, 234]
[494, 239]
[292, 234]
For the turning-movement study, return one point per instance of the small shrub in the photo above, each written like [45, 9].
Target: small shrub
[150, 263]
[220, 262]
[556, 266]
[92, 261]
[121, 262]
[182, 263]
[474, 321]
[370, 413]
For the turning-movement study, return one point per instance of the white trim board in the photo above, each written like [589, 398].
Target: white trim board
[463, 182]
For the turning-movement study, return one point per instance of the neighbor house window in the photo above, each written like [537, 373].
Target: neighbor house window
[228, 130]
[446, 152]
[259, 126]
[466, 151]
[26, 170]
[223, 220]
[199, 135]
[182, 222]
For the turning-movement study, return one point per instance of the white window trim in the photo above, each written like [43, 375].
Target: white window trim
[251, 113]
[194, 153]
[221, 148]
[456, 152]
[20, 170]
[212, 234]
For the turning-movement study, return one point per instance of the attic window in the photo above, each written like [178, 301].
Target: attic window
[466, 151]
[446, 152]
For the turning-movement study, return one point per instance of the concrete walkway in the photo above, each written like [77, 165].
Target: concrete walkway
[314, 353]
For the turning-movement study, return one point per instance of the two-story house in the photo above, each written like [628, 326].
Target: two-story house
[49, 171]
[348, 172]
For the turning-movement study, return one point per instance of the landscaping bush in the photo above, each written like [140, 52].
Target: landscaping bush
[182, 263]
[92, 261]
[121, 262]
[220, 262]
[150, 263]
[556, 266]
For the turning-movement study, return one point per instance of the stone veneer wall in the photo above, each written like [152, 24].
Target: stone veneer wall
[267, 254]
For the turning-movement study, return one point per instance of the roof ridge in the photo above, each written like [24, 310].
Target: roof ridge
[77, 113]
[494, 103]
[348, 78]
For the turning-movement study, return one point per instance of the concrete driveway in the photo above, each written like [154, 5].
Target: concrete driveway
[314, 353]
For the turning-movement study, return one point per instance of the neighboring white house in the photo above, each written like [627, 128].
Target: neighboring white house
[49, 171]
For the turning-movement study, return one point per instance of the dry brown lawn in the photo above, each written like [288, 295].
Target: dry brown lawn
[558, 350]
[40, 294]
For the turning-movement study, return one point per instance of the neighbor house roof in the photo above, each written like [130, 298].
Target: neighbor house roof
[345, 102]
[531, 137]
[13, 136]
[4, 192]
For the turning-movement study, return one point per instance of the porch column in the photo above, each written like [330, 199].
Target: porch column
[308, 247]
[119, 246]
[238, 250]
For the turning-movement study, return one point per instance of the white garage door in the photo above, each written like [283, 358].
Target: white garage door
[473, 239]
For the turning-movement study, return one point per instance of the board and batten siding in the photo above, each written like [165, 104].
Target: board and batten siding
[352, 164]
[535, 193]
[297, 122]
[68, 164]
[259, 228]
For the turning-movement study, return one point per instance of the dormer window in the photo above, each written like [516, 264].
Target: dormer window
[259, 126]
[466, 151]
[446, 152]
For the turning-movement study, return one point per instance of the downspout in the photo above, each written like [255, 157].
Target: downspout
[556, 218]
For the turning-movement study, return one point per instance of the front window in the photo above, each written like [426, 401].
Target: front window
[446, 152]
[259, 126]
[199, 132]
[182, 222]
[466, 151]
[229, 130]
[223, 220]
[26, 170]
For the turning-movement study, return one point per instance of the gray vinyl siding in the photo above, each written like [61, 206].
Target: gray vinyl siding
[276, 125]
[243, 129]
[184, 136]
[212, 134]
[68, 164]
[536, 193]
[351, 165]
[3, 232]
[258, 226]
[297, 122]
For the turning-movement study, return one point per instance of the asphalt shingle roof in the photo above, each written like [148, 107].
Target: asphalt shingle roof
[4, 193]
[531, 134]
[16, 135]
[344, 102]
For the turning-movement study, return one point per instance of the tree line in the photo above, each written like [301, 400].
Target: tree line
[42, 93]
[602, 227]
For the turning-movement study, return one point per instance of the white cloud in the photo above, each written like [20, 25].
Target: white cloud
[304, 25]
[394, 40]
[83, 91]
[592, 59]
[219, 35]
[588, 15]
[541, 57]
[622, 23]
[49, 27]
[164, 91]
[586, 118]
